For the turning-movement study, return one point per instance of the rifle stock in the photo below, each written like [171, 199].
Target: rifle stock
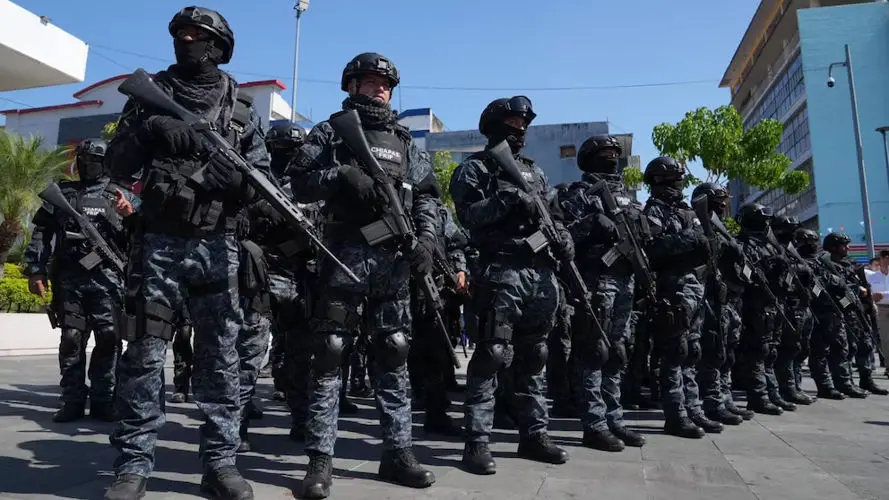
[502, 154]
[396, 223]
[140, 87]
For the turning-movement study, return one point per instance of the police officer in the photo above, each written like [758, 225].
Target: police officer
[828, 357]
[328, 169]
[761, 316]
[858, 325]
[86, 297]
[517, 296]
[185, 249]
[722, 322]
[594, 227]
[183, 359]
[678, 251]
[795, 337]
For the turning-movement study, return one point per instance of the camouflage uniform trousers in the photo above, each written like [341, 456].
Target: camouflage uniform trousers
[732, 325]
[861, 346]
[805, 348]
[384, 276]
[599, 384]
[524, 299]
[171, 271]
[828, 359]
[780, 375]
[558, 372]
[680, 351]
[87, 301]
[252, 346]
[714, 352]
[757, 346]
[289, 323]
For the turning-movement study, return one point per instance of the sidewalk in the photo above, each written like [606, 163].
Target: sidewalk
[835, 450]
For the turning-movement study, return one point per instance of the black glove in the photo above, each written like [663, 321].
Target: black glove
[521, 202]
[606, 226]
[357, 184]
[703, 244]
[270, 214]
[564, 248]
[173, 136]
[222, 174]
[421, 255]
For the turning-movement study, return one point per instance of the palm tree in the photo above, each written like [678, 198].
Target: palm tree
[25, 169]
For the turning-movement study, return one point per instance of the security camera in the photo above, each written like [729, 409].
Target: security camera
[831, 82]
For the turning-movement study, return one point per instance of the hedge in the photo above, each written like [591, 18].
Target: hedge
[14, 294]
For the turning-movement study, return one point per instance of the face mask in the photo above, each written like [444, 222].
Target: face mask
[280, 160]
[196, 52]
[670, 192]
[514, 137]
[603, 165]
[89, 170]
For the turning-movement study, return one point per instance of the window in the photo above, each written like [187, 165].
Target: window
[567, 151]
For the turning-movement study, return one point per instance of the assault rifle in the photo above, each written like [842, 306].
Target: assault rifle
[100, 249]
[396, 223]
[140, 87]
[546, 236]
[701, 206]
[629, 246]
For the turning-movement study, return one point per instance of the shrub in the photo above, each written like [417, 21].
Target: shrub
[14, 294]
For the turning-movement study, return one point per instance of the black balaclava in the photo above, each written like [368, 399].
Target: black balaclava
[197, 58]
[90, 168]
[501, 131]
[668, 191]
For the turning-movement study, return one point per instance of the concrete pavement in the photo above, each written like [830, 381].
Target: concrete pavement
[836, 450]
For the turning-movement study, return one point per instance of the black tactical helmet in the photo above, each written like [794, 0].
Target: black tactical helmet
[836, 240]
[499, 109]
[710, 190]
[805, 237]
[369, 62]
[785, 225]
[209, 20]
[662, 166]
[96, 147]
[593, 145]
[286, 133]
[754, 216]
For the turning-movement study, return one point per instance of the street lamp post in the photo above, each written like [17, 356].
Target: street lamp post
[883, 130]
[856, 124]
[300, 7]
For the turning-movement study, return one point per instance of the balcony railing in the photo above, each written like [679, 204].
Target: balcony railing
[778, 67]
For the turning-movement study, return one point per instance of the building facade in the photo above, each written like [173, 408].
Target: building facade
[779, 71]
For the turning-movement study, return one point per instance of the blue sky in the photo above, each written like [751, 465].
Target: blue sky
[473, 51]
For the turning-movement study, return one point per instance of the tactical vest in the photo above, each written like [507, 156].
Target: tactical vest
[95, 201]
[174, 204]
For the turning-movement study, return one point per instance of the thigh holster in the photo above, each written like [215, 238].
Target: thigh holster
[149, 319]
[72, 316]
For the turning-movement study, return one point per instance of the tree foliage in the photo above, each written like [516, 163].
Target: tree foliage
[14, 294]
[444, 165]
[718, 140]
[632, 177]
[25, 169]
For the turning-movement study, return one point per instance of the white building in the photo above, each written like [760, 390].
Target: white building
[421, 121]
[35, 53]
[101, 103]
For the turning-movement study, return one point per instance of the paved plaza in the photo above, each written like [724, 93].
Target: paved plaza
[835, 450]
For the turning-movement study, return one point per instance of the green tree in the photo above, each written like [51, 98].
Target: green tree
[444, 166]
[25, 169]
[632, 178]
[718, 140]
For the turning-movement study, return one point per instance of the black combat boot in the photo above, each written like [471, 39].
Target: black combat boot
[867, 383]
[741, 412]
[439, 422]
[477, 459]
[318, 478]
[179, 397]
[602, 439]
[401, 466]
[254, 411]
[279, 396]
[347, 407]
[69, 412]
[359, 389]
[540, 448]
[709, 426]
[243, 432]
[630, 438]
[724, 416]
[764, 406]
[831, 393]
[853, 392]
[683, 427]
[127, 487]
[778, 401]
[226, 483]
[798, 397]
[103, 411]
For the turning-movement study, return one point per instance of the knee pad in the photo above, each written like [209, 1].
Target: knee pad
[71, 342]
[694, 352]
[393, 350]
[328, 353]
[534, 360]
[491, 357]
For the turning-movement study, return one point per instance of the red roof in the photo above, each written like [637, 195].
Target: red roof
[27, 111]
[107, 81]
